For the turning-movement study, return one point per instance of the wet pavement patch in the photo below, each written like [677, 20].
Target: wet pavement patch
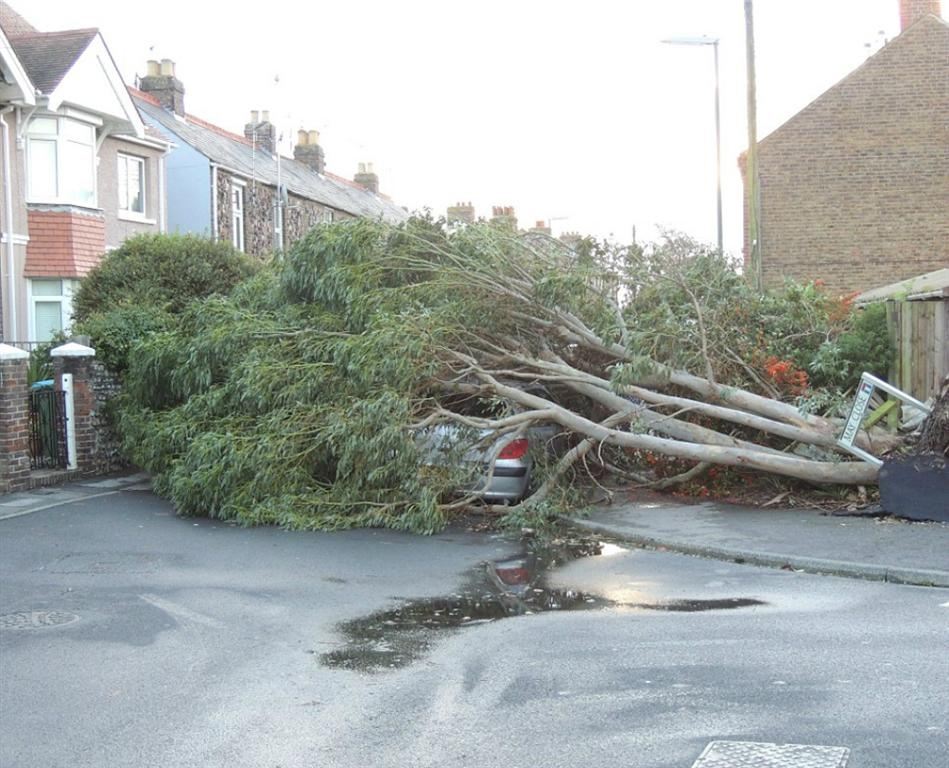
[694, 606]
[494, 590]
[499, 589]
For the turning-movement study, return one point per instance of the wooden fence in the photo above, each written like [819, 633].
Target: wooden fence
[919, 335]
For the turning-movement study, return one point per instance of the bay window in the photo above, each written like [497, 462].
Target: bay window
[61, 161]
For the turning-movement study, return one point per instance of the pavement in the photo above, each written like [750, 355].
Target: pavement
[38, 499]
[864, 547]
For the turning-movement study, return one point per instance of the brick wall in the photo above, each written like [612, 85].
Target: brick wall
[64, 243]
[14, 426]
[855, 187]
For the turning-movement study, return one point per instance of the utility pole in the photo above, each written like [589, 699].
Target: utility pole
[752, 182]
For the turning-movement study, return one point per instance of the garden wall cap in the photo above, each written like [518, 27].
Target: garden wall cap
[12, 353]
[72, 349]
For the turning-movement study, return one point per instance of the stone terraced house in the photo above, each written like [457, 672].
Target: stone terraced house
[235, 187]
[854, 189]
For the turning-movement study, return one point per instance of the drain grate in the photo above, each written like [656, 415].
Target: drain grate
[36, 619]
[750, 754]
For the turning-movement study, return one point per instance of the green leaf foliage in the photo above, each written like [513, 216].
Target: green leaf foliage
[298, 397]
[288, 401]
[138, 288]
[165, 271]
[684, 295]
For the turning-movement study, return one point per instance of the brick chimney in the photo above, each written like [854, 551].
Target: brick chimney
[503, 216]
[912, 11]
[366, 177]
[541, 227]
[160, 82]
[261, 131]
[308, 150]
[460, 213]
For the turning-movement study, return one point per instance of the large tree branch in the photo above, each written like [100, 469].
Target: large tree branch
[848, 473]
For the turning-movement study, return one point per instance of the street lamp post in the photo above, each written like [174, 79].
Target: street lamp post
[712, 41]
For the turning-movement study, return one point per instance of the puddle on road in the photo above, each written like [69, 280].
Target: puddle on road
[499, 589]
[694, 606]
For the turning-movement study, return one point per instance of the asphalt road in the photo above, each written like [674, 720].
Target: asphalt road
[179, 642]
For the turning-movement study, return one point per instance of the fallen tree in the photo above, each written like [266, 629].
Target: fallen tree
[296, 399]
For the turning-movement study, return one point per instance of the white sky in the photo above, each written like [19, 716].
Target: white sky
[559, 108]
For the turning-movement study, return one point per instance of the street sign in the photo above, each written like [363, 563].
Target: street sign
[861, 401]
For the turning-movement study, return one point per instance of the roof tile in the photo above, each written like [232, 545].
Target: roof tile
[238, 154]
[48, 56]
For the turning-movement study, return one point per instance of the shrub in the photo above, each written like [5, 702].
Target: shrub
[139, 287]
[116, 332]
[163, 271]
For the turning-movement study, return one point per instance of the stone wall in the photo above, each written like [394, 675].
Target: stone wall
[854, 188]
[106, 453]
[300, 215]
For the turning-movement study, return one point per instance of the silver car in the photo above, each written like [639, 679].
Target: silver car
[506, 463]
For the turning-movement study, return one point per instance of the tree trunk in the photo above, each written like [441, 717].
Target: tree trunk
[935, 435]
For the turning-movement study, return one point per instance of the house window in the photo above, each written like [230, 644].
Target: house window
[237, 216]
[61, 161]
[131, 184]
[280, 205]
[50, 307]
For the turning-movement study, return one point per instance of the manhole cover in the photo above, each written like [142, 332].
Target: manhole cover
[36, 619]
[750, 754]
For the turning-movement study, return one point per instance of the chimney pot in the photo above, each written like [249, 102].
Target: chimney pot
[265, 116]
[160, 82]
[461, 213]
[261, 132]
[309, 152]
[367, 178]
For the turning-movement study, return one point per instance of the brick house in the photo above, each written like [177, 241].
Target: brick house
[236, 188]
[854, 189]
[80, 171]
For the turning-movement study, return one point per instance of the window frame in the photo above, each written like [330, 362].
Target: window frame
[64, 298]
[122, 163]
[62, 141]
[238, 234]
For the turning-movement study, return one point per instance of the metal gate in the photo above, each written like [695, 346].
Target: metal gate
[48, 430]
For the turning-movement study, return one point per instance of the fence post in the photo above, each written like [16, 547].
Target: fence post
[14, 420]
[73, 366]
